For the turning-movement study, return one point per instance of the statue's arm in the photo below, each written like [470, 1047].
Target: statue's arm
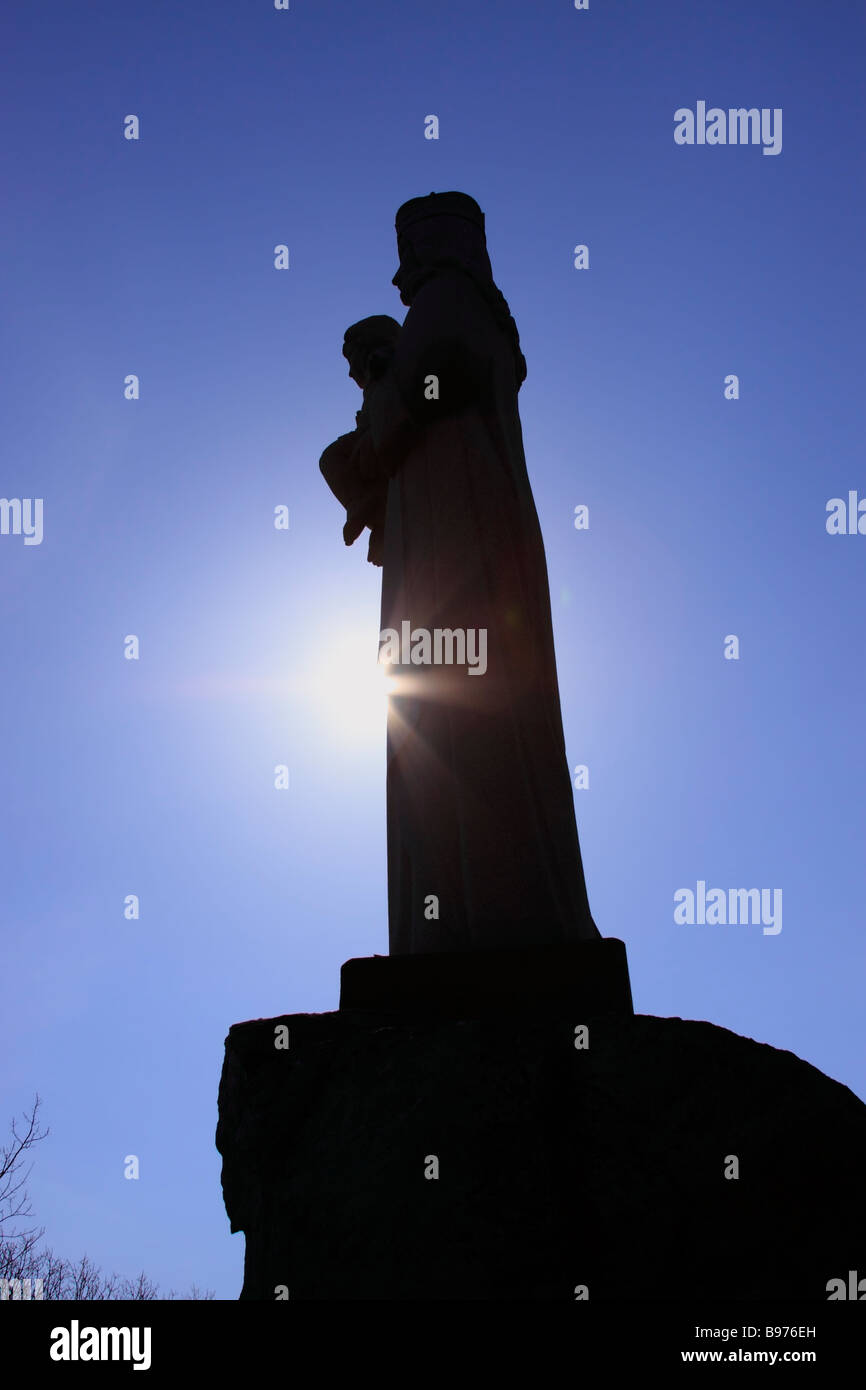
[445, 338]
[393, 430]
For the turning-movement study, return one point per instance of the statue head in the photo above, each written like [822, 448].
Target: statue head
[443, 229]
[446, 231]
[367, 345]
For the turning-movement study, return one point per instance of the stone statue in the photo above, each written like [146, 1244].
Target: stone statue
[348, 465]
[483, 849]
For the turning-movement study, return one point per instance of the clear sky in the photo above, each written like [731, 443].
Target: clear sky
[257, 646]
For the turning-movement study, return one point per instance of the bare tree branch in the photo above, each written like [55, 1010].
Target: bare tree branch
[20, 1256]
[14, 1199]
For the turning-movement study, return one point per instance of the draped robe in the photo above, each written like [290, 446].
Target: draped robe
[483, 848]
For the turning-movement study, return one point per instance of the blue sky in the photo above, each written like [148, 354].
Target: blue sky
[707, 518]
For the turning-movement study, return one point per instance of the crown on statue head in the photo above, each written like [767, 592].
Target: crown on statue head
[437, 205]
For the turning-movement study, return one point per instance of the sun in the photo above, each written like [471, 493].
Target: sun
[348, 688]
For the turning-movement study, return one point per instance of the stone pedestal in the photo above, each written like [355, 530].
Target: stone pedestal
[589, 977]
[374, 1156]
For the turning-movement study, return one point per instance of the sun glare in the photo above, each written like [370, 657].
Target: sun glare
[349, 689]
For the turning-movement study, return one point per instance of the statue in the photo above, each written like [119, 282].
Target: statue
[483, 849]
[347, 465]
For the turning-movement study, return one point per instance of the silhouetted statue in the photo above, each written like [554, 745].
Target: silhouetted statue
[483, 849]
[348, 465]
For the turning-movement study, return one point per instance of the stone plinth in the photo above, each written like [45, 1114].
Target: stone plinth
[589, 977]
[558, 1166]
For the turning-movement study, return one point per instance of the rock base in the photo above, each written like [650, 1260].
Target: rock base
[373, 1157]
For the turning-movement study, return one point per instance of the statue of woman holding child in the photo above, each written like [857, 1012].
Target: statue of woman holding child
[483, 848]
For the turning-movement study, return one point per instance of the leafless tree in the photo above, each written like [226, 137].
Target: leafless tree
[21, 1258]
[18, 1242]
